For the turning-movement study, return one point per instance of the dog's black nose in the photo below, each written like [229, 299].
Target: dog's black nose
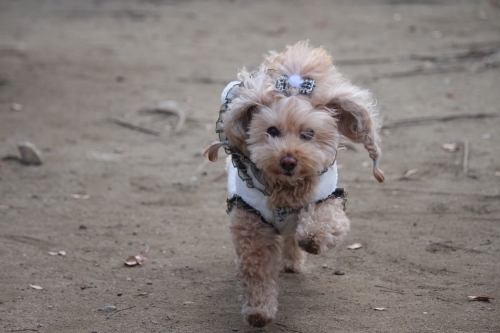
[288, 163]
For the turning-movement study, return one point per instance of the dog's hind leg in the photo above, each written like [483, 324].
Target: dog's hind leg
[322, 226]
[258, 251]
[293, 256]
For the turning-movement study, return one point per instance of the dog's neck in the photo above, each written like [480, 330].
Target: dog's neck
[293, 195]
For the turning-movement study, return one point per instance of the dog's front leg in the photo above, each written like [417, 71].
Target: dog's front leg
[258, 252]
[322, 226]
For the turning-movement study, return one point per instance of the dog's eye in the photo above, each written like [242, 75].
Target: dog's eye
[307, 134]
[273, 131]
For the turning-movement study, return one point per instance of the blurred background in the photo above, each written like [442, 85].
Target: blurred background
[118, 99]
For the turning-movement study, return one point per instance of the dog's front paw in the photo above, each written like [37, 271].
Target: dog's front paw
[258, 319]
[322, 227]
[290, 266]
[310, 245]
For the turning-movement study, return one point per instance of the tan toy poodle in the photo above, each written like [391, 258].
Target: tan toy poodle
[281, 125]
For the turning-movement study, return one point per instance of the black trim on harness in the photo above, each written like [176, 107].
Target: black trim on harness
[239, 203]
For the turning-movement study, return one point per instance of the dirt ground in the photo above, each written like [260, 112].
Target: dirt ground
[106, 192]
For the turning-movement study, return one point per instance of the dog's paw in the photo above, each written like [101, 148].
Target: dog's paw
[310, 245]
[258, 319]
[290, 266]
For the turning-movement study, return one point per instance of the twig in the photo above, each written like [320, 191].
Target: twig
[220, 176]
[131, 307]
[479, 218]
[10, 158]
[476, 45]
[426, 120]
[418, 190]
[204, 80]
[465, 161]
[442, 299]
[390, 289]
[461, 56]
[288, 328]
[423, 71]
[179, 113]
[370, 61]
[134, 127]
[24, 329]
[201, 166]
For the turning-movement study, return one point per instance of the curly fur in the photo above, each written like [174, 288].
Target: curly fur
[309, 128]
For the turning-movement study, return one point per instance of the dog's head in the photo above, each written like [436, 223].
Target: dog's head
[288, 115]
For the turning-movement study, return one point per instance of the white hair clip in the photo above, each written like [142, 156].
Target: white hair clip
[305, 86]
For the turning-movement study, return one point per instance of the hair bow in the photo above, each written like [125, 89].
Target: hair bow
[305, 86]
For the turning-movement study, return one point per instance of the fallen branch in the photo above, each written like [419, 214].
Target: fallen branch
[134, 127]
[179, 113]
[473, 53]
[426, 120]
[24, 330]
[465, 160]
[423, 71]
[418, 190]
[131, 307]
[390, 289]
[204, 80]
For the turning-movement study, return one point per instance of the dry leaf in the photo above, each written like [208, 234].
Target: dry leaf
[80, 196]
[16, 107]
[408, 173]
[35, 287]
[479, 298]
[450, 147]
[379, 309]
[138, 259]
[355, 246]
[58, 253]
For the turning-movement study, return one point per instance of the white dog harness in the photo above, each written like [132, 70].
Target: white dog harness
[246, 191]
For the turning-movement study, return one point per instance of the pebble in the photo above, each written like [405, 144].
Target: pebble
[29, 153]
[107, 308]
[324, 266]
[337, 272]
[154, 322]
[149, 282]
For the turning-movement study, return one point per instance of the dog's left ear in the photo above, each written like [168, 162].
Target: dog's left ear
[357, 120]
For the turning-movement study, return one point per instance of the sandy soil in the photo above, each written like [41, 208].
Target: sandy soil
[428, 241]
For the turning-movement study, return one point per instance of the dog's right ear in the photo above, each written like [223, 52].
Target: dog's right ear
[237, 123]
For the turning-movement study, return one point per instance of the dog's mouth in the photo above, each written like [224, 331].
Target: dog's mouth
[288, 173]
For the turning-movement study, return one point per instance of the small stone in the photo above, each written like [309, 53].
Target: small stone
[234, 329]
[16, 107]
[30, 155]
[107, 308]
[149, 282]
[154, 322]
[324, 266]
[337, 272]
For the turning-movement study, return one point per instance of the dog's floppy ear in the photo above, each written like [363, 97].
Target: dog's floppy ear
[357, 119]
[237, 124]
